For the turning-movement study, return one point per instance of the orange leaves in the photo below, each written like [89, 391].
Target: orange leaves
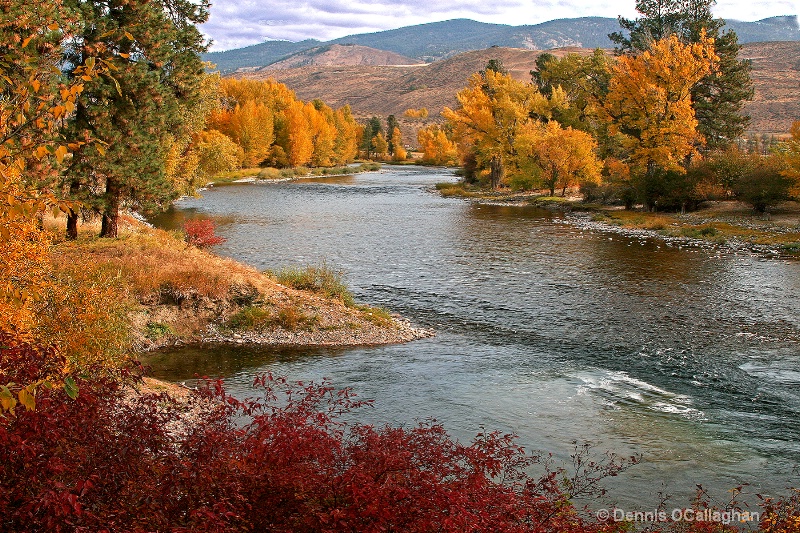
[436, 148]
[265, 117]
[649, 101]
[566, 156]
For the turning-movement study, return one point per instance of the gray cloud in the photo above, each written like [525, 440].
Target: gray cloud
[236, 23]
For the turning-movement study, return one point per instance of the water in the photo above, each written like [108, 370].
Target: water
[687, 357]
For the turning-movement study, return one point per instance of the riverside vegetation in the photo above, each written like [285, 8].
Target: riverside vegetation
[124, 124]
[659, 126]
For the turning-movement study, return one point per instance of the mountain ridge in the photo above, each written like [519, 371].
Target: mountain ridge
[384, 90]
[435, 41]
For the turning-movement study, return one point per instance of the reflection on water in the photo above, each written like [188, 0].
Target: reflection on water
[689, 358]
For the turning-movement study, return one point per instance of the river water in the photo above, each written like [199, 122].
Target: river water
[688, 357]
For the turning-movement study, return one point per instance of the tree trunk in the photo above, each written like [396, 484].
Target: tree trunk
[496, 172]
[72, 225]
[72, 216]
[111, 213]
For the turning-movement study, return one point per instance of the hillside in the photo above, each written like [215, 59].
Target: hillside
[440, 40]
[384, 90]
[776, 74]
[341, 55]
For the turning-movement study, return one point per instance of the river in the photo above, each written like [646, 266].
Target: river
[688, 357]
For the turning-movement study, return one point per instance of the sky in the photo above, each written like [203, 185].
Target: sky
[237, 23]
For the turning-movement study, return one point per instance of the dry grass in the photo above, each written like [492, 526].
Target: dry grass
[156, 263]
[177, 292]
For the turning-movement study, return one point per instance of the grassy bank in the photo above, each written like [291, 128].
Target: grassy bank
[274, 174]
[177, 293]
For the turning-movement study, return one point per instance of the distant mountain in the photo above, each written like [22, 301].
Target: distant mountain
[341, 55]
[257, 55]
[385, 90]
[440, 40]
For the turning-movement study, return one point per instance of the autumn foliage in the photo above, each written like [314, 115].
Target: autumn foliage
[116, 462]
[200, 233]
[274, 128]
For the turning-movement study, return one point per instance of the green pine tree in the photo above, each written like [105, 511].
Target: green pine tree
[152, 47]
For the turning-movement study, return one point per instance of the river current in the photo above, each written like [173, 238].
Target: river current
[686, 356]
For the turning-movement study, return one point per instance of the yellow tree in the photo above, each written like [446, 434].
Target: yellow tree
[250, 125]
[650, 104]
[216, 153]
[566, 156]
[399, 150]
[323, 133]
[436, 148]
[492, 110]
[381, 146]
[348, 134]
[299, 144]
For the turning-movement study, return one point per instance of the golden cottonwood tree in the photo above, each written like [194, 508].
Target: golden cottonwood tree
[250, 125]
[566, 156]
[299, 144]
[436, 148]
[348, 133]
[490, 112]
[400, 153]
[650, 103]
[323, 133]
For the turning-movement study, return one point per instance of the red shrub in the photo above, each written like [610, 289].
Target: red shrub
[282, 462]
[200, 233]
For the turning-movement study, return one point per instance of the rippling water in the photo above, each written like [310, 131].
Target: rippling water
[688, 357]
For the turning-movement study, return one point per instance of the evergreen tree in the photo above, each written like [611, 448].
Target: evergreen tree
[391, 125]
[719, 97]
[152, 48]
[371, 129]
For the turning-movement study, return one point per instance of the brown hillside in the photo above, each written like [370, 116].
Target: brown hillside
[338, 55]
[385, 90]
[776, 75]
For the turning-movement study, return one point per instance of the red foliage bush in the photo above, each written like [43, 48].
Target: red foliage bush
[284, 461]
[200, 233]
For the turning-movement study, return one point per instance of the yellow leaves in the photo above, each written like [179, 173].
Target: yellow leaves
[27, 399]
[7, 400]
[60, 153]
[649, 101]
[436, 148]
[565, 155]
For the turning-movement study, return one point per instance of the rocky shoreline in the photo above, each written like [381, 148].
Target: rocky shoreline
[400, 331]
[584, 221]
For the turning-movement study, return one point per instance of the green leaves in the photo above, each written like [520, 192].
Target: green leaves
[26, 396]
[71, 388]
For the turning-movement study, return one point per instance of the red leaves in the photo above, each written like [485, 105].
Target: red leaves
[284, 461]
[200, 233]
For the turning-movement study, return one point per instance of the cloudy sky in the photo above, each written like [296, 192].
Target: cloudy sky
[237, 23]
